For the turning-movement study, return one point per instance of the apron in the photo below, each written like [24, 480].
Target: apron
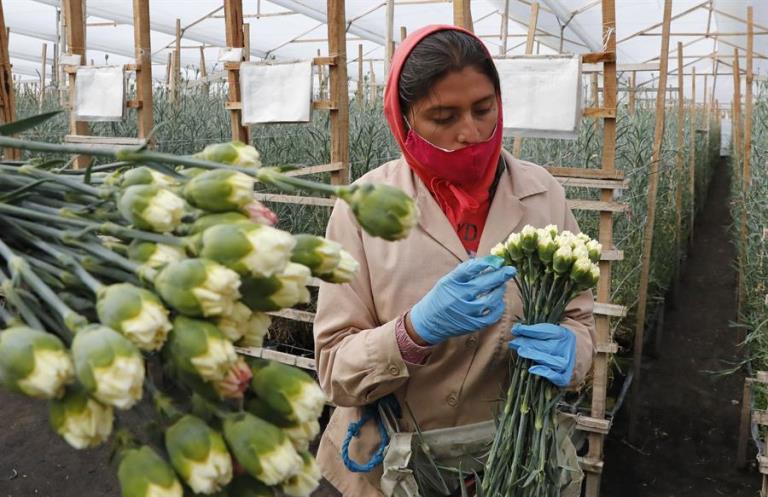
[435, 463]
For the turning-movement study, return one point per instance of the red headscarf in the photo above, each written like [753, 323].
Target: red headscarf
[465, 202]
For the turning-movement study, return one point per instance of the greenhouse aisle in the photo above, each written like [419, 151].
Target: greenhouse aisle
[688, 425]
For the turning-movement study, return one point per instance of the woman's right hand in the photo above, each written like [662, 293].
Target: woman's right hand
[469, 298]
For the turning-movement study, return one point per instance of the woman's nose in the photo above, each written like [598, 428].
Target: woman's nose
[469, 131]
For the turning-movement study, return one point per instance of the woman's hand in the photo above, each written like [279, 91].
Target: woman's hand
[551, 347]
[467, 299]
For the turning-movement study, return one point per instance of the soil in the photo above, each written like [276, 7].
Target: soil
[687, 429]
[688, 421]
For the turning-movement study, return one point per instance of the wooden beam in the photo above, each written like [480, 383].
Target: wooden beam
[653, 182]
[143, 48]
[632, 86]
[532, 23]
[676, 16]
[389, 34]
[707, 35]
[233, 23]
[43, 67]
[204, 72]
[360, 97]
[339, 91]
[504, 28]
[679, 174]
[403, 33]
[7, 95]
[746, 172]
[740, 19]
[462, 14]
[75, 32]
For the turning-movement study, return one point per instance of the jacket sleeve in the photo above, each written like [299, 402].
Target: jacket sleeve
[358, 358]
[580, 320]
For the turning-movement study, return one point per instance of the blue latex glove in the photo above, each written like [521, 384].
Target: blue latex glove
[551, 347]
[467, 299]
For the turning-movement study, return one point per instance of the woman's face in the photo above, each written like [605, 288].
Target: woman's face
[460, 110]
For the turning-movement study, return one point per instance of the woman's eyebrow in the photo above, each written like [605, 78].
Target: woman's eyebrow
[441, 108]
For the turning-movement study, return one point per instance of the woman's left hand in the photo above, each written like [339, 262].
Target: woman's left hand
[551, 347]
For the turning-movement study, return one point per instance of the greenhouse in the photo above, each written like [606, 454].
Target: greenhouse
[401, 248]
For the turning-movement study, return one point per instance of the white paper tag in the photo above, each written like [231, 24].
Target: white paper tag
[70, 60]
[230, 54]
[276, 93]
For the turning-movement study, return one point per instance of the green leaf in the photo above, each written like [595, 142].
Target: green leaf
[28, 123]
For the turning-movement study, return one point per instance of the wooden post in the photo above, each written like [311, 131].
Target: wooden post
[168, 69]
[632, 93]
[504, 29]
[532, 23]
[744, 424]
[339, 95]
[75, 23]
[360, 97]
[403, 33]
[462, 14]
[143, 48]
[736, 114]
[176, 73]
[233, 22]
[204, 72]
[43, 67]
[246, 41]
[653, 182]
[692, 157]
[594, 90]
[746, 173]
[680, 162]
[389, 34]
[373, 93]
[7, 96]
[706, 116]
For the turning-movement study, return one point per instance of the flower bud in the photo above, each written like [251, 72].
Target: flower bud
[260, 213]
[109, 366]
[136, 313]
[319, 254]
[198, 347]
[144, 175]
[595, 250]
[248, 248]
[300, 434]
[261, 448]
[34, 363]
[219, 190]
[382, 210]
[204, 222]
[235, 153]
[563, 259]
[514, 249]
[245, 486]
[546, 247]
[233, 325]
[255, 331]
[235, 382]
[528, 239]
[80, 420]
[280, 291]
[500, 250]
[552, 229]
[306, 480]
[580, 250]
[344, 271]
[289, 391]
[581, 271]
[199, 455]
[198, 287]
[154, 255]
[149, 207]
[142, 473]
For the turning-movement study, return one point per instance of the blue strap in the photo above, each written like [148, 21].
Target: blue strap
[353, 431]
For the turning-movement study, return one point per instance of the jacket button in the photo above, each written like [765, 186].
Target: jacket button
[394, 370]
[472, 341]
[452, 400]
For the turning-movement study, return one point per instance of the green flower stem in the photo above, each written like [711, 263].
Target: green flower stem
[109, 256]
[91, 264]
[18, 264]
[163, 403]
[521, 429]
[68, 260]
[9, 292]
[55, 178]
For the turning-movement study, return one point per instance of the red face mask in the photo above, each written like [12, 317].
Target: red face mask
[462, 167]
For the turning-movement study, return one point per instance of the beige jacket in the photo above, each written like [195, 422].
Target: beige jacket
[358, 359]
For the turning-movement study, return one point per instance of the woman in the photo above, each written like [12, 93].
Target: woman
[424, 321]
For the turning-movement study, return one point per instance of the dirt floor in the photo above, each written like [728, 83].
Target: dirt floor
[688, 424]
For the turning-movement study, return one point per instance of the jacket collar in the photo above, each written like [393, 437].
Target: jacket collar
[508, 207]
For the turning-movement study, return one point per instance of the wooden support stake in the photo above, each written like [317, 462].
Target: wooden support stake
[373, 93]
[360, 97]
[653, 182]
[43, 67]
[168, 69]
[532, 23]
[692, 159]
[233, 22]
[744, 424]
[462, 14]
[339, 119]
[176, 72]
[746, 172]
[504, 28]
[389, 34]
[246, 41]
[632, 89]
[143, 49]
[7, 96]
[680, 162]
[204, 72]
[403, 33]
[75, 31]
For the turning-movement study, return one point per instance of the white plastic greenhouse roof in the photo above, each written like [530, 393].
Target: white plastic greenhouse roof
[296, 29]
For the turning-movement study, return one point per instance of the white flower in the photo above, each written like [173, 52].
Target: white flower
[242, 189]
[256, 329]
[120, 383]
[595, 250]
[209, 476]
[149, 329]
[308, 405]
[52, 372]
[271, 250]
[215, 363]
[294, 280]
[218, 292]
[279, 464]
[305, 481]
[164, 211]
[80, 420]
[301, 434]
[344, 271]
[164, 254]
[175, 490]
[233, 325]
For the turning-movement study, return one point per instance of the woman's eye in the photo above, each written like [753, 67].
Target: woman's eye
[443, 120]
[482, 112]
